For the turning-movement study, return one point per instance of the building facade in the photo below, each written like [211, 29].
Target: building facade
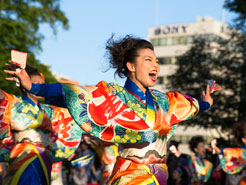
[174, 40]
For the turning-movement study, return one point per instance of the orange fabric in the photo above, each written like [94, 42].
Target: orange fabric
[103, 85]
[243, 182]
[138, 179]
[180, 108]
[42, 76]
[232, 152]
[120, 161]
[161, 123]
[133, 167]
[18, 148]
[7, 101]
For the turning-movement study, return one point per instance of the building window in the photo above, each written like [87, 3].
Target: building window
[165, 60]
[169, 41]
[155, 42]
[190, 39]
[163, 41]
[174, 60]
[175, 40]
[181, 40]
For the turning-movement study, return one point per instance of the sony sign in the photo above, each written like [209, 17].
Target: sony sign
[171, 30]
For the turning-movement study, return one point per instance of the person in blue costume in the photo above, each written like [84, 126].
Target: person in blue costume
[136, 117]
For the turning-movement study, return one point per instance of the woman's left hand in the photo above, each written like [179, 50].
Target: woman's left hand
[206, 96]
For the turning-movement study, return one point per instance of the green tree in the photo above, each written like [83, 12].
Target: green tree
[239, 8]
[20, 21]
[200, 64]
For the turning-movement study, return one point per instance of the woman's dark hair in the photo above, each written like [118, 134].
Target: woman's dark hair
[173, 142]
[30, 71]
[177, 165]
[239, 131]
[124, 50]
[194, 142]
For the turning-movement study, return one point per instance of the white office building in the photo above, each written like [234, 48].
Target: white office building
[174, 40]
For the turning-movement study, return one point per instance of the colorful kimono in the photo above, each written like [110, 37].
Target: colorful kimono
[32, 137]
[200, 170]
[233, 162]
[56, 170]
[139, 122]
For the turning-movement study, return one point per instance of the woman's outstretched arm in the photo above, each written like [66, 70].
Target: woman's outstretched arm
[52, 92]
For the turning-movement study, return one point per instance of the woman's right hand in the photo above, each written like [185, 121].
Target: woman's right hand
[213, 147]
[22, 76]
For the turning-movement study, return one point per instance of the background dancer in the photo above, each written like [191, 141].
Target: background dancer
[200, 167]
[34, 135]
[178, 165]
[233, 159]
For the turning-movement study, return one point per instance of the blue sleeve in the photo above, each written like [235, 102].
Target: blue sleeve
[53, 93]
[203, 105]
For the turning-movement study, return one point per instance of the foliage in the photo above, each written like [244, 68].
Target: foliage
[239, 7]
[223, 61]
[200, 64]
[20, 21]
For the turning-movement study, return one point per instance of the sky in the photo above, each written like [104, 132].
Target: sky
[79, 53]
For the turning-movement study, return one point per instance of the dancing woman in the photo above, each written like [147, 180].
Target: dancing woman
[136, 117]
[33, 135]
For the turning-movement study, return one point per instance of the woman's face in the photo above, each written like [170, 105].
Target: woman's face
[37, 80]
[144, 71]
[200, 149]
[176, 175]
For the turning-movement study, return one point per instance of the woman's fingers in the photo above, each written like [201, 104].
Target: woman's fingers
[11, 66]
[14, 73]
[208, 90]
[11, 78]
[9, 72]
[203, 93]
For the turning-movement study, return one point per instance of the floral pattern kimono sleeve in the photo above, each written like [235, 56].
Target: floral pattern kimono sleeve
[233, 160]
[66, 135]
[99, 112]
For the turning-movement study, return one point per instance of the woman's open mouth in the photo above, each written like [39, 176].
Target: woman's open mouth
[153, 75]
